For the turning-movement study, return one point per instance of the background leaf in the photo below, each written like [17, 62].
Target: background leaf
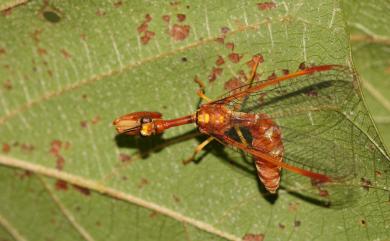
[67, 69]
[370, 40]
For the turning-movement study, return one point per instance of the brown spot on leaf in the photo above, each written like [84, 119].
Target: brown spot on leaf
[181, 17]
[281, 225]
[147, 37]
[36, 35]
[272, 76]
[83, 124]
[83, 36]
[118, 4]
[285, 71]
[225, 30]
[65, 53]
[82, 190]
[2, 51]
[261, 98]
[242, 75]
[180, 32]
[316, 183]
[55, 147]
[233, 83]
[320, 187]
[378, 173]
[253, 237]
[153, 214]
[95, 120]
[215, 72]
[6, 148]
[258, 58]
[363, 223]
[60, 162]
[148, 17]
[27, 147]
[66, 145]
[266, 6]
[42, 51]
[143, 29]
[230, 46]
[219, 61]
[293, 206]
[166, 18]
[302, 66]
[220, 40]
[323, 192]
[25, 174]
[100, 13]
[143, 182]
[235, 57]
[176, 198]
[365, 183]
[124, 157]
[61, 185]
[184, 59]
[7, 85]
[297, 223]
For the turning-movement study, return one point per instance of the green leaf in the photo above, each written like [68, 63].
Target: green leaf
[68, 69]
[370, 40]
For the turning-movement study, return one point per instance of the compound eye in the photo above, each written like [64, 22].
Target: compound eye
[145, 120]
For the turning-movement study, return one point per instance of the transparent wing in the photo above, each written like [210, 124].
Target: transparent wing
[307, 93]
[321, 132]
[309, 153]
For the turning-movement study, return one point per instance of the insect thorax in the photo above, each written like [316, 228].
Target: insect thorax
[213, 118]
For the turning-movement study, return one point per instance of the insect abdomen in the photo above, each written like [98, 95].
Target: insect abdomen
[267, 138]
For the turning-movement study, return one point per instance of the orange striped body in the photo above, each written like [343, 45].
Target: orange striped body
[267, 138]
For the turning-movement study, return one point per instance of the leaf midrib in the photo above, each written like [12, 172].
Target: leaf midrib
[111, 192]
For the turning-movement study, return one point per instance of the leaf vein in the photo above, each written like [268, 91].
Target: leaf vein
[51, 94]
[111, 192]
[68, 215]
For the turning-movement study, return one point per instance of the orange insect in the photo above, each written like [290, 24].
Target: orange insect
[230, 121]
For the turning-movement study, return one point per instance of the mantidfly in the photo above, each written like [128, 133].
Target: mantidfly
[223, 120]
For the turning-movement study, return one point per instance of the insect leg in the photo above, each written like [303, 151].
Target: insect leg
[271, 82]
[198, 149]
[240, 135]
[256, 60]
[200, 91]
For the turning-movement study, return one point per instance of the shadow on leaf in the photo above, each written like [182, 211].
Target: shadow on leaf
[239, 161]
